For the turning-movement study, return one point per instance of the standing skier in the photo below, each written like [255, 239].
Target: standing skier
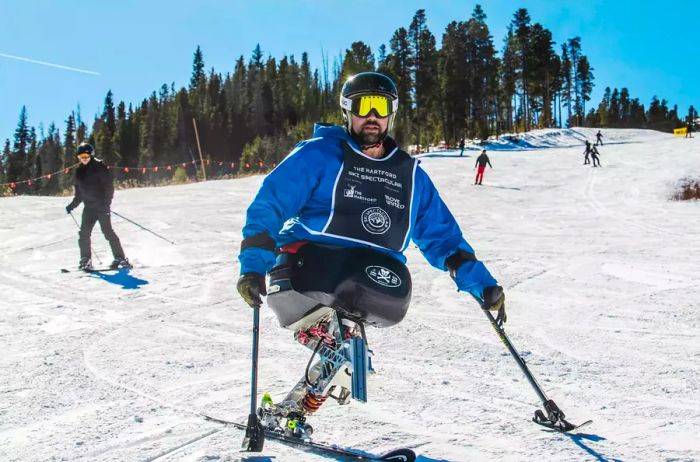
[461, 147]
[481, 162]
[689, 129]
[341, 209]
[93, 187]
[594, 156]
[586, 153]
[599, 138]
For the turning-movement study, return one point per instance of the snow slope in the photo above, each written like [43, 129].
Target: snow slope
[601, 276]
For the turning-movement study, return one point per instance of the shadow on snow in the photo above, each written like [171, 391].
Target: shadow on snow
[121, 278]
[583, 441]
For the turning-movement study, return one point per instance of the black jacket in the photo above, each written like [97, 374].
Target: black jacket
[482, 160]
[93, 186]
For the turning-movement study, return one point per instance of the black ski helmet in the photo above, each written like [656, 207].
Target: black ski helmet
[86, 148]
[368, 83]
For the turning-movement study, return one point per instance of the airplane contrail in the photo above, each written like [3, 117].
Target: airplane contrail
[44, 63]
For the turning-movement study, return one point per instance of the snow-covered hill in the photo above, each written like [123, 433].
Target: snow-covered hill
[601, 276]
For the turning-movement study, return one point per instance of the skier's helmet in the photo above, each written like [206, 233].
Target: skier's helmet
[86, 148]
[369, 92]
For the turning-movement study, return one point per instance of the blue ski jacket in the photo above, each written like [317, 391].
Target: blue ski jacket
[295, 203]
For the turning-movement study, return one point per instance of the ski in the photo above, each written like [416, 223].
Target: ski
[96, 270]
[398, 455]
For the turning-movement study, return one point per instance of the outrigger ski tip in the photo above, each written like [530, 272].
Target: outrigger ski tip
[557, 422]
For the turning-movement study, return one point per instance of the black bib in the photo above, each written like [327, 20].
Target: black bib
[372, 199]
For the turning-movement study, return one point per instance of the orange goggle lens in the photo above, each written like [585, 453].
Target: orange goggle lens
[84, 156]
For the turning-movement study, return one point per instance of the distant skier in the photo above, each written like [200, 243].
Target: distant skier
[599, 138]
[461, 147]
[330, 224]
[594, 156]
[480, 165]
[93, 187]
[586, 153]
[689, 129]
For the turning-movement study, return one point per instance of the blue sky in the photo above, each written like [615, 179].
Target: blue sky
[132, 47]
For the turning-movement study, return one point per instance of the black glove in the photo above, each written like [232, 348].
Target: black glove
[495, 300]
[251, 286]
[69, 208]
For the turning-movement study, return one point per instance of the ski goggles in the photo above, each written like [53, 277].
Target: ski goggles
[84, 155]
[363, 105]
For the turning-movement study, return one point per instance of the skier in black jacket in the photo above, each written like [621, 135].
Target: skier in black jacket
[599, 138]
[586, 153]
[93, 187]
[481, 161]
[594, 156]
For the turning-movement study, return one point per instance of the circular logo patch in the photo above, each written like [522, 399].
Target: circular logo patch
[383, 276]
[375, 220]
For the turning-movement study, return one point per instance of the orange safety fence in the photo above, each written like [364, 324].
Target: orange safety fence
[129, 169]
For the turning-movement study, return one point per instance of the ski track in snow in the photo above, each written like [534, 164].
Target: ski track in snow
[603, 298]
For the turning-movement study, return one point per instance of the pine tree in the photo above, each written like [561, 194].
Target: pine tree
[81, 133]
[481, 72]
[584, 75]
[656, 115]
[34, 168]
[49, 160]
[453, 82]
[69, 150]
[19, 165]
[381, 57]
[197, 69]
[399, 66]
[254, 92]
[521, 34]
[237, 103]
[268, 98]
[509, 77]
[4, 159]
[638, 117]
[603, 108]
[543, 75]
[567, 91]
[308, 109]
[424, 73]
[625, 109]
[358, 58]
[614, 112]
[103, 131]
[574, 47]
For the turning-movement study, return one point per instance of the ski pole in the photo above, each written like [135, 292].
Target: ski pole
[99, 260]
[554, 415]
[254, 433]
[142, 227]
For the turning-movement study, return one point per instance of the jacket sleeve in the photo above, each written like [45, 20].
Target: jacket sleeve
[489, 161]
[78, 198]
[107, 184]
[282, 195]
[437, 235]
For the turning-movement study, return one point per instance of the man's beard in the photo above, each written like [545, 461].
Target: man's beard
[366, 138]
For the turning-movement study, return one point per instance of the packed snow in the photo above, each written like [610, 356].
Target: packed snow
[600, 269]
